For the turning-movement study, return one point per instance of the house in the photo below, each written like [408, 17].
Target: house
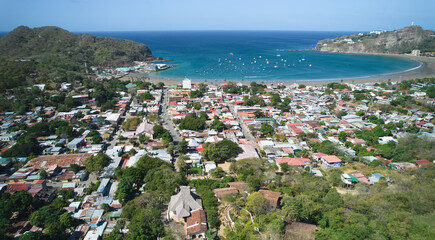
[376, 177]
[385, 140]
[76, 143]
[402, 165]
[299, 162]
[330, 161]
[271, 196]
[357, 141]
[221, 192]
[420, 163]
[104, 187]
[209, 165]
[145, 128]
[361, 178]
[196, 225]
[249, 151]
[348, 179]
[240, 185]
[182, 204]
[113, 118]
[8, 136]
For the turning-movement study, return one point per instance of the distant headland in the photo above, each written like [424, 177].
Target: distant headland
[43, 43]
[409, 40]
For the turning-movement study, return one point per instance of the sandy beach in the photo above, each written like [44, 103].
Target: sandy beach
[427, 69]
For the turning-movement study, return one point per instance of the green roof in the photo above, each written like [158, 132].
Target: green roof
[130, 85]
[354, 179]
[264, 119]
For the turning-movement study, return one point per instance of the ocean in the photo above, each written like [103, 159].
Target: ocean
[258, 56]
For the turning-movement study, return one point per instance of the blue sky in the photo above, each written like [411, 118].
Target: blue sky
[128, 15]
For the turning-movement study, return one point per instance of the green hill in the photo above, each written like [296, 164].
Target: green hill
[53, 42]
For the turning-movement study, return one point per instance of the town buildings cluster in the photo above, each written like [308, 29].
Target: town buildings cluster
[286, 125]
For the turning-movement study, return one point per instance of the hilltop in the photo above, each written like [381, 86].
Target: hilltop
[392, 42]
[53, 44]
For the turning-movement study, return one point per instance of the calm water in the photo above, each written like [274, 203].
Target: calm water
[258, 55]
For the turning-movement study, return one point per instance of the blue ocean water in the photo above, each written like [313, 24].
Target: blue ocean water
[258, 55]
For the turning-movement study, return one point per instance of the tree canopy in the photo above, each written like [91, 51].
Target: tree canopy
[221, 151]
[97, 163]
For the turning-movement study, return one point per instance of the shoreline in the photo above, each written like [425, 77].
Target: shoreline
[424, 70]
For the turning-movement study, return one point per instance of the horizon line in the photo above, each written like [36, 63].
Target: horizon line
[212, 30]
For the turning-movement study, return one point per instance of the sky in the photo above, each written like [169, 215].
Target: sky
[137, 15]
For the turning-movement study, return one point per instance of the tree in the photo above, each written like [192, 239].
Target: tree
[218, 125]
[37, 235]
[125, 192]
[257, 204]
[254, 182]
[75, 168]
[43, 174]
[342, 136]
[196, 94]
[192, 122]
[142, 138]
[217, 172]
[97, 163]
[106, 207]
[221, 151]
[181, 164]
[66, 220]
[146, 96]
[182, 146]
[332, 199]
[170, 149]
[430, 91]
[266, 129]
[130, 124]
[360, 113]
[284, 167]
[96, 139]
[275, 99]
[160, 132]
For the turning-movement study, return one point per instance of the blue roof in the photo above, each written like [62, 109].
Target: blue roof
[377, 175]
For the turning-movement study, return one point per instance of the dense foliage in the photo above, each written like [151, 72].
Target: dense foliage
[193, 122]
[57, 46]
[221, 151]
[97, 163]
[161, 132]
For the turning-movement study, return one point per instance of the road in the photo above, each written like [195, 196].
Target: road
[167, 122]
[245, 129]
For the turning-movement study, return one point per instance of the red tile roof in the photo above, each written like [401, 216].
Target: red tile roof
[271, 196]
[421, 162]
[221, 192]
[196, 222]
[16, 187]
[293, 161]
[331, 158]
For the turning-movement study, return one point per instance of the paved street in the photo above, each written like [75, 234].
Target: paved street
[166, 121]
[245, 129]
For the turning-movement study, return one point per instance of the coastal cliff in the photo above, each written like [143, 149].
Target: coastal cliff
[54, 44]
[390, 42]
